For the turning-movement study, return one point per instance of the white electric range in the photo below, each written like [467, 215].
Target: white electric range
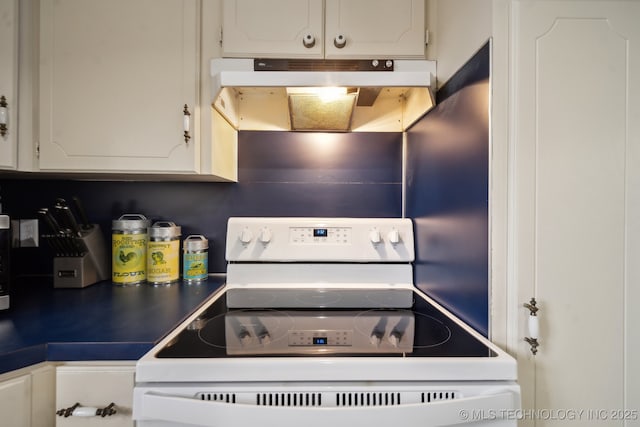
[320, 325]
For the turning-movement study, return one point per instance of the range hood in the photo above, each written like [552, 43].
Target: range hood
[322, 95]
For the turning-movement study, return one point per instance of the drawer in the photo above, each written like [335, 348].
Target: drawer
[95, 386]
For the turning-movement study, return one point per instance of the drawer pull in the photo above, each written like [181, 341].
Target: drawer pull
[4, 115]
[87, 411]
[186, 123]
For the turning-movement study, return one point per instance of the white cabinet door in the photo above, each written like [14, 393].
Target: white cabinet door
[43, 396]
[15, 402]
[9, 82]
[95, 386]
[273, 28]
[375, 29]
[114, 78]
[576, 202]
[280, 28]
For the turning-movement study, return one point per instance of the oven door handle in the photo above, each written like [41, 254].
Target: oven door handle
[483, 409]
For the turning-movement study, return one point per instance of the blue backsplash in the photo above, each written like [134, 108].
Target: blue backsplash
[280, 174]
[447, 194]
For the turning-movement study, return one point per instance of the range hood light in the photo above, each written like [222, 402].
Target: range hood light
[325, 109]
[325, 94]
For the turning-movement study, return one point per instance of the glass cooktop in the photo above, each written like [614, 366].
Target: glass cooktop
[422, 331]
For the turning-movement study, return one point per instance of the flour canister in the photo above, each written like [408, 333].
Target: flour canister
[195, 258]
[163, 253]
[129, 249]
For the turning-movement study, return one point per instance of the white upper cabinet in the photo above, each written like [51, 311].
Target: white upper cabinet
[375, 28]
[273, 28]
[324, 29]
[115, 77]
[8, 83]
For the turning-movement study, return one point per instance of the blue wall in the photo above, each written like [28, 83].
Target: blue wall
[447, 194]
[280, 174]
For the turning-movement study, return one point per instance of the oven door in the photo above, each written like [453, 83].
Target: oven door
[438, 404]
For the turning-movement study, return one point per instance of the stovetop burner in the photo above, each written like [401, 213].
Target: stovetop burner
[422, 331]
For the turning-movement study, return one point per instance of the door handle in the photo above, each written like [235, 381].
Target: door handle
[4, 116]
[186, 123]
[533, 325]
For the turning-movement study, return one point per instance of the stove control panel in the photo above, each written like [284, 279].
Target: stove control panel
[263, 332]
[320, 236]
[320, 239]
[321, 338]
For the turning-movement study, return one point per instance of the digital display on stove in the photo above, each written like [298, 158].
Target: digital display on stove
[320, 232]
[319, 340]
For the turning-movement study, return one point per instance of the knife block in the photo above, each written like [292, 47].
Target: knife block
[90, 265]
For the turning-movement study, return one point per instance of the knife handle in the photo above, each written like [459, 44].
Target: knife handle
[81, 213]
[50, 220]
[68, 219]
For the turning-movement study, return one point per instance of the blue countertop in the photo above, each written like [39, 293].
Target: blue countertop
[99, 322]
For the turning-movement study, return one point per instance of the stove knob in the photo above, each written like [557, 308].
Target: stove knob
[374, 236]
[376, 337]
[265, 235]
[394, 337]
[264, 338]
[394, 237]
[246, 236]
[245, 336]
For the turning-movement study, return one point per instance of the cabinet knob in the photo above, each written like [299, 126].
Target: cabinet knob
[4, 116]
[340, 41]
[309, 41]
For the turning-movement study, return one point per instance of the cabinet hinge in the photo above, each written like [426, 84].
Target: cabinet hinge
[37, 150]
[221, 35]
[426, 37]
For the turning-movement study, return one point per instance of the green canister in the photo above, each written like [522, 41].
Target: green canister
[195, 259]
[163, 253]
[129, 249]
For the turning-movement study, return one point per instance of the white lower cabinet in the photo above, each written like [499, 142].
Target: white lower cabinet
[93, 386]
[27, 397]
[15, 401]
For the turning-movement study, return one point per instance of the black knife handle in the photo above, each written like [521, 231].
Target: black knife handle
[68, 219]
[81, 213]
[50, 220]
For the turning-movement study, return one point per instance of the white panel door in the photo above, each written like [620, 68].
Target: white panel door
[576, 217]
[9, 81]
[273, 28]
[114, 78]
[375, 28]
[15, 402]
